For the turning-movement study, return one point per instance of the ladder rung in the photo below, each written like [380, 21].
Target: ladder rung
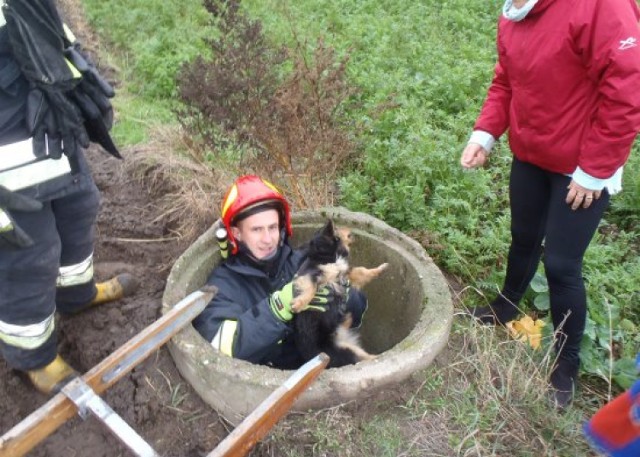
[87, 401]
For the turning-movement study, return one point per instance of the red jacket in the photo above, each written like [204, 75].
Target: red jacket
[567, 85]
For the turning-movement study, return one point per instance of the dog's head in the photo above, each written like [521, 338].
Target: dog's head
[330, 243]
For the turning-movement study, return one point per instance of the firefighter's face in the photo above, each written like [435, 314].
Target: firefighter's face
[260, 232]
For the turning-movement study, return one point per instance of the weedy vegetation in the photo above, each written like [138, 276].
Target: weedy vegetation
[485, 395]
[286, 108]
[368, 105]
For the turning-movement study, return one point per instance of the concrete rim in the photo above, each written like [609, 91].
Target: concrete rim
[235, 387]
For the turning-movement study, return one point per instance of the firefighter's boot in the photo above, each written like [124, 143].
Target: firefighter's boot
[115, 288]
[51, 378]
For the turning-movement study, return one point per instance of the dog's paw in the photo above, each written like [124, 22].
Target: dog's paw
[347, 322]
[297, 305]
[366, 356]
[381, 268]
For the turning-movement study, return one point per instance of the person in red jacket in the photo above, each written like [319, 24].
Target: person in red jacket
[567, 89]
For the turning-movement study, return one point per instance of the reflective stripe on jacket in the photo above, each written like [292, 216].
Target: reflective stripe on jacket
[20, 169]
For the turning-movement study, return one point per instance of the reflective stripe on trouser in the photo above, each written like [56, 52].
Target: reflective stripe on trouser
[28, 336]
[63, 235]
[78, 273]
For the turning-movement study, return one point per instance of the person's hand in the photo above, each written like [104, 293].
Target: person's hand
[473, 156]
[9, 230]
[579, 196]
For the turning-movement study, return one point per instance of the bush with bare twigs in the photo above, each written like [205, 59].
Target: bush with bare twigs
[294, 125]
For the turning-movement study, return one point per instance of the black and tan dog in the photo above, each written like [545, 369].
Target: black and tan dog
[327, 264]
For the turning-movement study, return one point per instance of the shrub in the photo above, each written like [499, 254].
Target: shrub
[287, 107]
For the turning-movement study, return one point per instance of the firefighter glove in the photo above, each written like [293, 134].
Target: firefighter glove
[91, 96]
[68, 105]
[9, 230]
[56, 124]
[280, 302]
[326, 295]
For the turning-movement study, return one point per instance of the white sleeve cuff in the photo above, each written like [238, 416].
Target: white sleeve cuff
[587, 181]
[484, 139]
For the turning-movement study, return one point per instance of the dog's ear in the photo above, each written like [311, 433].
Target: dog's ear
[345, 236]
[329, 229]
[323, 240]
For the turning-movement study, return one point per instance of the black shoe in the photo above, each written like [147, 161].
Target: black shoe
[564, 378]
[499, 312]
[561, 399]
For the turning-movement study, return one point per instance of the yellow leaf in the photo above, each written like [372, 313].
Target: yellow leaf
[526, 330]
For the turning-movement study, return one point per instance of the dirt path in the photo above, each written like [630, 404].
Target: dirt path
[154, 399]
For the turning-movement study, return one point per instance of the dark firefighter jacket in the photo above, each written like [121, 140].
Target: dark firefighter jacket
[244, 287]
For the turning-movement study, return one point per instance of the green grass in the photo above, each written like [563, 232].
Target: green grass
[136, 117]
[152, 39]
[148, 40]
[485, 395]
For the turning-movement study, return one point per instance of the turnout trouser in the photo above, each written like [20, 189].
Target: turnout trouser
[539, 214]
[56, 272]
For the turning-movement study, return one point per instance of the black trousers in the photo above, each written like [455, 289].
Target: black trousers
[540, 215]
[63, 234]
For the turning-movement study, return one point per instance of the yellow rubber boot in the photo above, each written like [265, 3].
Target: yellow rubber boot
[51, 378]
[122, 285]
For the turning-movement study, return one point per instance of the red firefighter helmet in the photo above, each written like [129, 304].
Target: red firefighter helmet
[249, 192]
